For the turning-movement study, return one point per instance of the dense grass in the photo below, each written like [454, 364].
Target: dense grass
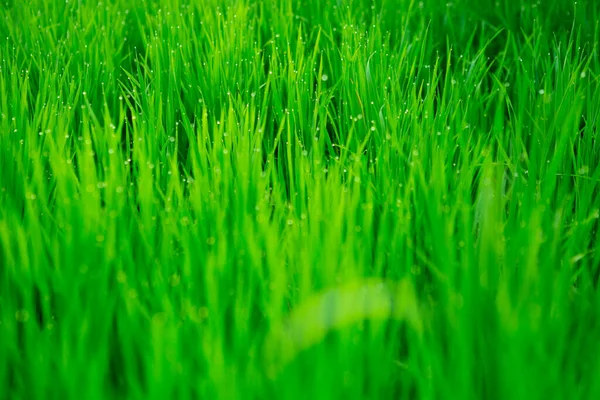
[299, 199]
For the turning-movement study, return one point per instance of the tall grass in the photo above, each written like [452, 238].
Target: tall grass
[299, 199]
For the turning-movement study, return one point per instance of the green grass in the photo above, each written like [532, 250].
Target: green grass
[293, 199]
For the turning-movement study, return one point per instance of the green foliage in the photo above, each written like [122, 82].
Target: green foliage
[299, 199]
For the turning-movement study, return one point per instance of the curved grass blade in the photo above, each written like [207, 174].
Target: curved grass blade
[337, 308]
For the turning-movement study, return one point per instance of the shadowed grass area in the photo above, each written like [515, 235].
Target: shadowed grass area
[299, 199]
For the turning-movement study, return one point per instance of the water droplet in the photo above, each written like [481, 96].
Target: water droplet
[22, 315]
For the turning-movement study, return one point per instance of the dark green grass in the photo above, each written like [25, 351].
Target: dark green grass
[299, 199]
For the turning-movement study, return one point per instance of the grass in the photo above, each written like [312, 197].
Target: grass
[299, 199]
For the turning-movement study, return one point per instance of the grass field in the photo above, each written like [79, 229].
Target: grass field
[299, 199]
